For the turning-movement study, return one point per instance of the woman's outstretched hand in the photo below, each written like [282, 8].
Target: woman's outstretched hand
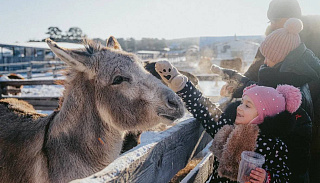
[231, 77]
[170, 75]
[258, 175]
[227, 90]
[228, 75]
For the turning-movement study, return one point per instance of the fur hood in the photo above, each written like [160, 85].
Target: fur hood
[229, 143]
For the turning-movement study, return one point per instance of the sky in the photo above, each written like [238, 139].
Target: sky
[22, 20]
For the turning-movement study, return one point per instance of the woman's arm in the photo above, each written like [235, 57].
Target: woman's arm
[206, 112]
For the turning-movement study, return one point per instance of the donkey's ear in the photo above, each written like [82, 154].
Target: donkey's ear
[74, 58]
[113, 43]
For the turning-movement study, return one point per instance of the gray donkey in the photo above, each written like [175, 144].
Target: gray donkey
[106, 93]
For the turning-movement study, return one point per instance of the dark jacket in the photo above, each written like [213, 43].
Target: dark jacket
[212, 119]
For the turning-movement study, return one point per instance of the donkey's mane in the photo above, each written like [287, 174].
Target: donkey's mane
[91, 46]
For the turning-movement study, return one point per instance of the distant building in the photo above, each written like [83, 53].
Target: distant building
[245, 50]
[26, 52]
[148, 55]
[230, 48]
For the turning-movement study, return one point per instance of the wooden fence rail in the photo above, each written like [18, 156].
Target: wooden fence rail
[202, 171]
[157, 161]
[33, 63]
[53, 66]
[38, 102]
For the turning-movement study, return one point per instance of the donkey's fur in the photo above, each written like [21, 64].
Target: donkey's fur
[106, 93]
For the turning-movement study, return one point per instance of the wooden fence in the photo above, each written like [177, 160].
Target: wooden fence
[34, 67]
[158, 161]
[39, 102]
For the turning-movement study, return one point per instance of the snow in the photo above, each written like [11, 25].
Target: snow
[42, 90]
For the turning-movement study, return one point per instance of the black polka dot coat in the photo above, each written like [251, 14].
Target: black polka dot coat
[212, 119]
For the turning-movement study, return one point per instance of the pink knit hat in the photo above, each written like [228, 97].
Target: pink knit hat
[269, 101]
[281, 42]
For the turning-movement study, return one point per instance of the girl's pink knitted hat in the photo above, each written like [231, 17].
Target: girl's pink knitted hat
[269, 101]
[281, 42]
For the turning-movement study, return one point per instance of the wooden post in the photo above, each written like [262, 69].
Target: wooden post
[29, 73]
[2, 54]
[54, 71]
[0, 91]
[216, 80]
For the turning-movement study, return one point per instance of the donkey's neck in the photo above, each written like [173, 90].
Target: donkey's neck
[79, 129]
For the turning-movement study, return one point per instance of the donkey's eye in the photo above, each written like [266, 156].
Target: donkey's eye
[119, 79]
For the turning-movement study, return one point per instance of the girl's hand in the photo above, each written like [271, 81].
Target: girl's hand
[258, 175]
[170, 75]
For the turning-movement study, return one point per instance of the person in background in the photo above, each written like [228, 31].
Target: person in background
[279, 12]
[248, 126]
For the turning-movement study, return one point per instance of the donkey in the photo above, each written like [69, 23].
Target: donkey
[132, 138]
[107, 92]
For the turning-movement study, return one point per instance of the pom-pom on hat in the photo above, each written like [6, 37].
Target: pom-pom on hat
[269, 101]
[281, 42]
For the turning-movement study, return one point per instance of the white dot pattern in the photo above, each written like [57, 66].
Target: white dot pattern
[206, 112]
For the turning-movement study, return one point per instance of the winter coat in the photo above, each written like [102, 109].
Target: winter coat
[241, 137]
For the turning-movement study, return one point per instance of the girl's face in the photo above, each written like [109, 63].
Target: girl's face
[246, 111]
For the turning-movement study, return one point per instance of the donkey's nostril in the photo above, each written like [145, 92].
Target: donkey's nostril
[172, 102]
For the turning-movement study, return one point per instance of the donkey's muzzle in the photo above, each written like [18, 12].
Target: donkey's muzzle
[172, 106]
[175, 105]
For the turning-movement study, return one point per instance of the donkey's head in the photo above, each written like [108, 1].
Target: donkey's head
[124, 94]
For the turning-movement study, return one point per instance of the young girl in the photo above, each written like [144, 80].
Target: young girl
[236, 130]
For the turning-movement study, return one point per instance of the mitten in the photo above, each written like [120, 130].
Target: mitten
[234, 81]
[171, 76]
[228, 75]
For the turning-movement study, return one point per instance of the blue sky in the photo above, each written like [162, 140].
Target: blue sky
[21, 20]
